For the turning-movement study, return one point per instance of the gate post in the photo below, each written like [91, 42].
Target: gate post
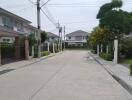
[0, 56]
[98, 50]
[115, 60]
[53, 48]
[26, 49]
[107, 49]
[48, 46]
[101, 48]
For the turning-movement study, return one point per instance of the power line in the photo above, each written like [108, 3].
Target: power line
[26, 8]
[49, 14]
[48, 17]
[32, 2]
[45, 3]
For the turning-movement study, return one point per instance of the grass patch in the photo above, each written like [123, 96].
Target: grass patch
[106, 56]
[45, 53]
[128, 61]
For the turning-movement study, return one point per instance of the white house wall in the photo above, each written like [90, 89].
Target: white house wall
[1, 21]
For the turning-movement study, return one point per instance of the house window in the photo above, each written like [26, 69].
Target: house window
[20, 27]
[6, 40]
[7, 22]
[70, 38]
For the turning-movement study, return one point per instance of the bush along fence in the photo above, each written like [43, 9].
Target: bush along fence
[46, 49]
[14, 51]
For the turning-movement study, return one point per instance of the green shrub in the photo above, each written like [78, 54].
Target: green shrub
[131, 69]
[106, 56]
[35, 51]
[45, 53]
[126, 47]
[94, 51]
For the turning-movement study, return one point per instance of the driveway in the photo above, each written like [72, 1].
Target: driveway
[72, 75]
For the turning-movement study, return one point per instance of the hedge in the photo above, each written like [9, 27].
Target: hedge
[106, 56]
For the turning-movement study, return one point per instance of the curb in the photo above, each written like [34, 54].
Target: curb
[38, 60]
[123, 83]
[33, 62]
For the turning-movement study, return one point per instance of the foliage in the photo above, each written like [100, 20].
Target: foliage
[32, 40]
[56, 48]
[43, 36]
[109, 6]
[6, 45]
[117, 21]
[100, 36]
[126, 47]
[45, 53]
[35, 50]
[106, 56]
[131, 69]
[94, 51]
[127, 61]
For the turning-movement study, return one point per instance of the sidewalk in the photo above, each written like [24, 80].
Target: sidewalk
[119, 72]
[20, 64]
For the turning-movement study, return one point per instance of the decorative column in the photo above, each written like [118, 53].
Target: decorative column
[107, 49]
[53, 48]
[26, 49]
[115, 60]
[101, 48]
[98, 50]
[48, 48]
[0, 56]
[17, 48]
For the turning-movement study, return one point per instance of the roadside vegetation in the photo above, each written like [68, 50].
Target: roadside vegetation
[114, 23]
[45, 53]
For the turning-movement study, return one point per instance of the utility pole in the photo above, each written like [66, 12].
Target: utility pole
[59, 33]
[64, 37]
[60, 38]
[39, 28]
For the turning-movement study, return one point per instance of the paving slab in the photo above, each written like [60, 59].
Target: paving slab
[120, 72]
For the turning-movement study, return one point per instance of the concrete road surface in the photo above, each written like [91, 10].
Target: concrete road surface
[72, 75]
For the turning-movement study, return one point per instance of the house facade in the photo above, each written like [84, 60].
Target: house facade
[51, 37]
[77, 38]
[12, 29]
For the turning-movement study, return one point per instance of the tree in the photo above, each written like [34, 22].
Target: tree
[43, 36]
[117, 21]
[100, 36]
[32, 40]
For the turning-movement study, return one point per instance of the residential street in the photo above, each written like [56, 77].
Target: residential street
[72, 75]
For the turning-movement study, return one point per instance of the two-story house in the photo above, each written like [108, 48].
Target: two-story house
[11, 25]
[12, 28]
[77, 38]
[51, 37]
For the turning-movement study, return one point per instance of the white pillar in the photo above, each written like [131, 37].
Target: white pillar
[107, 49]
[48, 46]
[101, 48]
[115, 60]
[0, 55]
[53, 48]
[97, 49]
[32, 51]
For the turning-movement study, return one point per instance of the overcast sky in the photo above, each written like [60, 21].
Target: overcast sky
[74, 14]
